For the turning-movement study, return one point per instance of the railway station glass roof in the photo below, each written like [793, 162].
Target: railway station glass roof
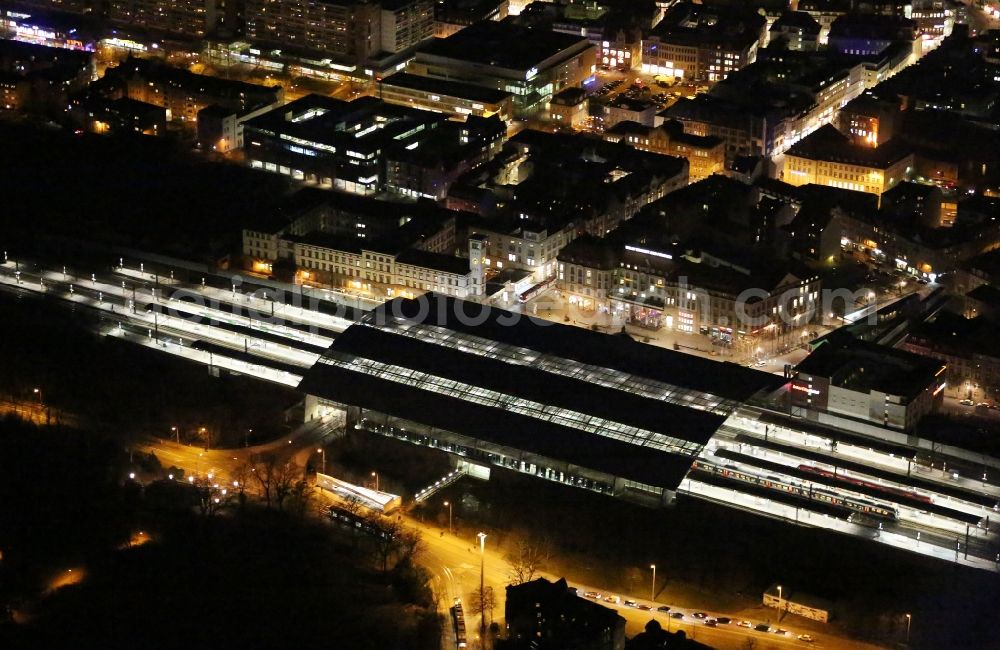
[495, 399]
[604, 377]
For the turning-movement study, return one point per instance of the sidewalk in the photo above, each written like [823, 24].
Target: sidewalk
[553, 306]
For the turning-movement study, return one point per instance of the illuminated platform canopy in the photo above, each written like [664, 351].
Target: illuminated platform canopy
[564, 403]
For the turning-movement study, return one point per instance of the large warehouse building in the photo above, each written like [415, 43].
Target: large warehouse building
[582, 408]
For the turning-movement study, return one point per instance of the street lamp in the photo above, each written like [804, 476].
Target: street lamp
[482, 595]
[322, 451]
[448, 503]
[375, 476]
[909, 619]
[652, 590]
[38, 391]
[177, 435]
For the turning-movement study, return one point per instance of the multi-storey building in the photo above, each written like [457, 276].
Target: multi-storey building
[188, 18]
[449, 97]
[967, 346]
[530, 64]
[185, 93]
[382, 271]
[346, 29]
[363, 244]
[868, 382]
[334, 143]
[797, 30]
[451, 149]
[526, 244]
[869, 121]
[934, 18]
[405, 23]
[627, 109]
[703, 43]
[826, 157]
[41, 78]
[706, 155]
[11, 91]
[569, 108]
[452, 16]
[868, 35]
[691, 292]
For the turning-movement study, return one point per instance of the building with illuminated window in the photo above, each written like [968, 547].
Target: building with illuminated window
[797, 29]
[698, 42]
[706, 155]
[448, 97]
[569, 108]
[868, 120]
[442, 156]
[189, 18]
[564, 185]
[615, 28]
[934, 18]
[868, 382]
[332, 142]
[826, 157]
[451, 16]
[183, 93]
[655, 286]
[627, 109]
[12, 90]
[502, 390]
[343, 241]
[350, 31]
[41, 78]
[530, 64]
[868, 35]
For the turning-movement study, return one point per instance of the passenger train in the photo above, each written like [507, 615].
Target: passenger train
[868, 484]
[863, 506]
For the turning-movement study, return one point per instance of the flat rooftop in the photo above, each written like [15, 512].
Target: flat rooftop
[503, 45]
[446, 88]
[864, 367]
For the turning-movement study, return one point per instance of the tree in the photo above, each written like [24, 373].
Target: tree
[410, 544]
[526, 560]
[263, 470]
[241, 476]
[392, 541]
[483, 602]
[303, 498]
[212, 497]
[286, 476]
[384, 532]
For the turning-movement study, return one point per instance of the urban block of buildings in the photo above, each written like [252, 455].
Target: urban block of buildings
[530, 64]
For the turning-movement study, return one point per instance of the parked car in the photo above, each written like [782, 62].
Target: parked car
[806, 637]
[663, 608]
[629, 603]
[747, 624]
[677, 615]
[762, 627]
[592, 594]
[711, 622]
[967, 402]
[700, 615]
[724, 620]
